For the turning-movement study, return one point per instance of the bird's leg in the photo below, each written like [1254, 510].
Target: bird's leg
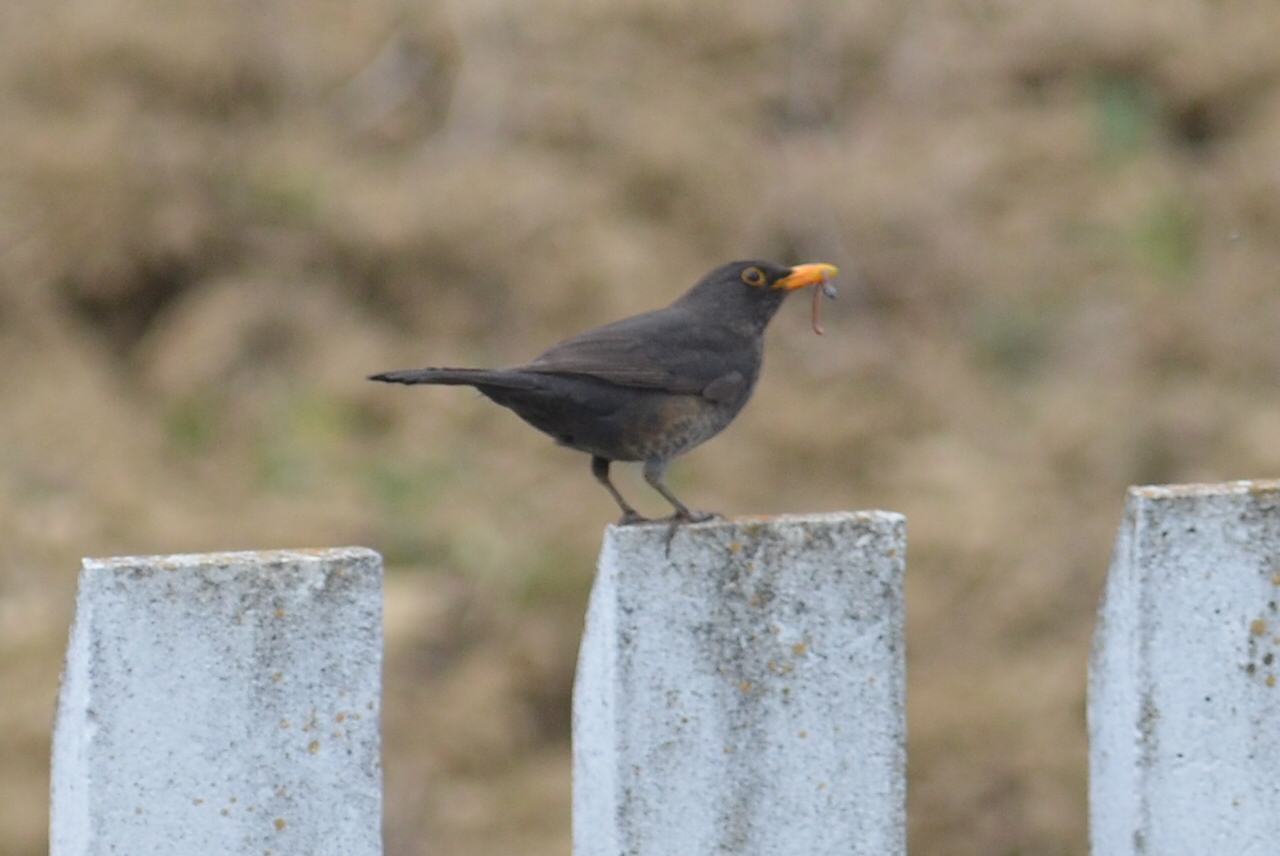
[600, 469]
[653, 470]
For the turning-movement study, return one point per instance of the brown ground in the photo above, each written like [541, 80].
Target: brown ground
[1062, 221]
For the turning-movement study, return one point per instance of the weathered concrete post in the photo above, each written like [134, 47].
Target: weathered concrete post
[1184, 707]
[222, 704]
[741, 691]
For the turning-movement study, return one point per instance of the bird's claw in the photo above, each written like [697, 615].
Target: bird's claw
[633, 518]
[684, 516]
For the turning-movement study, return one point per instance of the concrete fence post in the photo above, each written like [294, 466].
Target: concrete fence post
[1184, 707]
[741, 690]
[222, 704]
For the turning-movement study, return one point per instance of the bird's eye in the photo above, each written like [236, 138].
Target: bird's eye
[753, 276]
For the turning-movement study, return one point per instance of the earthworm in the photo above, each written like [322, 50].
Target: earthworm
[819, 291]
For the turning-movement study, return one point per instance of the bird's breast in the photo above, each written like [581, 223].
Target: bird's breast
[673, 424]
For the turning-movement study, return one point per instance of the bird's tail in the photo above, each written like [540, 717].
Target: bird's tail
[497, 378]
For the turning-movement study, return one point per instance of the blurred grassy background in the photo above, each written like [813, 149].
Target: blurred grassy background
[1060, 225]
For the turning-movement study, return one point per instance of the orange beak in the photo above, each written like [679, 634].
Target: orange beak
[802, 275]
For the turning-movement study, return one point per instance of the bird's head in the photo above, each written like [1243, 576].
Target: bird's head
[749, 292]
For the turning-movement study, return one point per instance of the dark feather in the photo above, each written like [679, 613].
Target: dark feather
[636, 352]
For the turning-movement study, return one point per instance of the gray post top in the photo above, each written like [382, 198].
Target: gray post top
[255, 558]
[1258, 487]
[788, 527]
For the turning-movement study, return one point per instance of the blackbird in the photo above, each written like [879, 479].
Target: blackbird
[652, 386]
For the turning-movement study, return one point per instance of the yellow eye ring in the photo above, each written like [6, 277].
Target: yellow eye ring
[753, 276]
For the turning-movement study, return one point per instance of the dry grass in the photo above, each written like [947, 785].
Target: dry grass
[215, 219]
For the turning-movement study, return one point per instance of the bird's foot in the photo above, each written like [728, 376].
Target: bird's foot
[633, 518]
[684, 516]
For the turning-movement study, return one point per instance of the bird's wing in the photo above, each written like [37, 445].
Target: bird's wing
[663, 350]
